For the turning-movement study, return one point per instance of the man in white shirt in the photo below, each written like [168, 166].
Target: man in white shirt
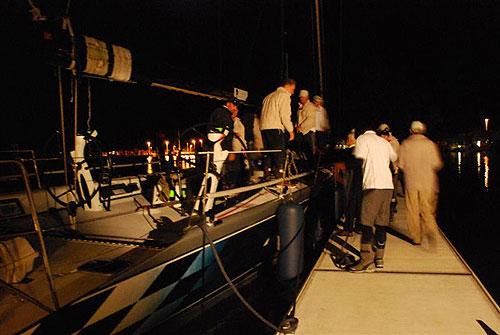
[274, 120]
[306, 122]
[322, 124]
[376, 154]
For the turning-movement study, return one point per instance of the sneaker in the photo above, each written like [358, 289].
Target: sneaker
[379, 263]
[362, 268]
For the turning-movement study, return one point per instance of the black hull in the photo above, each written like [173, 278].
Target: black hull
[173, 284]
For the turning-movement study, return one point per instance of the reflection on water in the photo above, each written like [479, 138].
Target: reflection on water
[486, 171]
[478, 155]
[468, 199]
[150, 166]
[464, 165]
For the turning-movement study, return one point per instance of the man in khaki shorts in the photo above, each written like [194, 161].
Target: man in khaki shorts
[376, 154]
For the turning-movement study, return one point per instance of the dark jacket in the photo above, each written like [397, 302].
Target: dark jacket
[221, 119]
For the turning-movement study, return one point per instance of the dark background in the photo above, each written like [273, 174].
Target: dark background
[386, 61]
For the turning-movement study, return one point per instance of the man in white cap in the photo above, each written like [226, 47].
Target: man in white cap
[306, 120]
[376, 154]
[420, 160]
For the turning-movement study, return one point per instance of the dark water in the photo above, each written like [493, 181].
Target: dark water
[469, 206]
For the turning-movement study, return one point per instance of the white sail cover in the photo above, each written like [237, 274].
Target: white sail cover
[107, 60]
[97, 57]
[122, 69]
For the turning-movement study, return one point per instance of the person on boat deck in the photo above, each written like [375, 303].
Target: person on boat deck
[236, 163]
[274, 120]
[221, 119]
[306, 120]
[384, 131]
[254, 140]
[420, 160]
[321, 126]
[376, 154]
[352, 178]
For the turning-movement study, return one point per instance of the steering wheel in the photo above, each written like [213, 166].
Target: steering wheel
[98, 164]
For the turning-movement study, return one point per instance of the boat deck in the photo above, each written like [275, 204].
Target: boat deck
[427, 289]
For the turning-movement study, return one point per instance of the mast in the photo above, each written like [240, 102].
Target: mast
[283, 54]
[319, 47]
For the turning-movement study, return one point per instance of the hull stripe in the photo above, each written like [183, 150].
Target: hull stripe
[126, 294]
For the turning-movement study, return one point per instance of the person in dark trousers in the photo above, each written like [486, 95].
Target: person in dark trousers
[306, 120]
[352, 180]
[221, 118]
[275, 119]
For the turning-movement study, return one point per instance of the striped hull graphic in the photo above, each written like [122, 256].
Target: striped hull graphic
[137, 304]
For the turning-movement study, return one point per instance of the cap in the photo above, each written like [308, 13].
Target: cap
[383, 127]
[303, 94]
[317, 98]
[417, 127]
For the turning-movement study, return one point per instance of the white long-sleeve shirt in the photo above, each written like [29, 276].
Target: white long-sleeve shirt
[322, 122]
[376, 154]
[239, 129]
[276, 111]
[306, 117]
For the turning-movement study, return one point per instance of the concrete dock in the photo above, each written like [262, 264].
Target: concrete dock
[426, 289]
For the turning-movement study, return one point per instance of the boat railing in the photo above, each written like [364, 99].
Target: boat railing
[32, 159]
[37, 173]
[37, 228]
[238, 190]
[208, 194]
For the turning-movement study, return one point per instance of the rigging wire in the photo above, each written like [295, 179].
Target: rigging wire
[75, 105]
[63, 131]
[284, 328]
[89, 104]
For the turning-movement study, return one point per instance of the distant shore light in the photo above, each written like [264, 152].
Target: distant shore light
[486, 124]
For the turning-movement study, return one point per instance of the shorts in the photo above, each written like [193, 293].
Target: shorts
[375, 207]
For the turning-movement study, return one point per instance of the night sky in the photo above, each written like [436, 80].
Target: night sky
[387, 61]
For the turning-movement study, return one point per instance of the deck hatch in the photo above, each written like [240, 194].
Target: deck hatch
[10, 208]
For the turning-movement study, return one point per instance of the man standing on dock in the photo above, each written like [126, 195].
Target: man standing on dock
[376, 154]
[274, 120]
[420, 161]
